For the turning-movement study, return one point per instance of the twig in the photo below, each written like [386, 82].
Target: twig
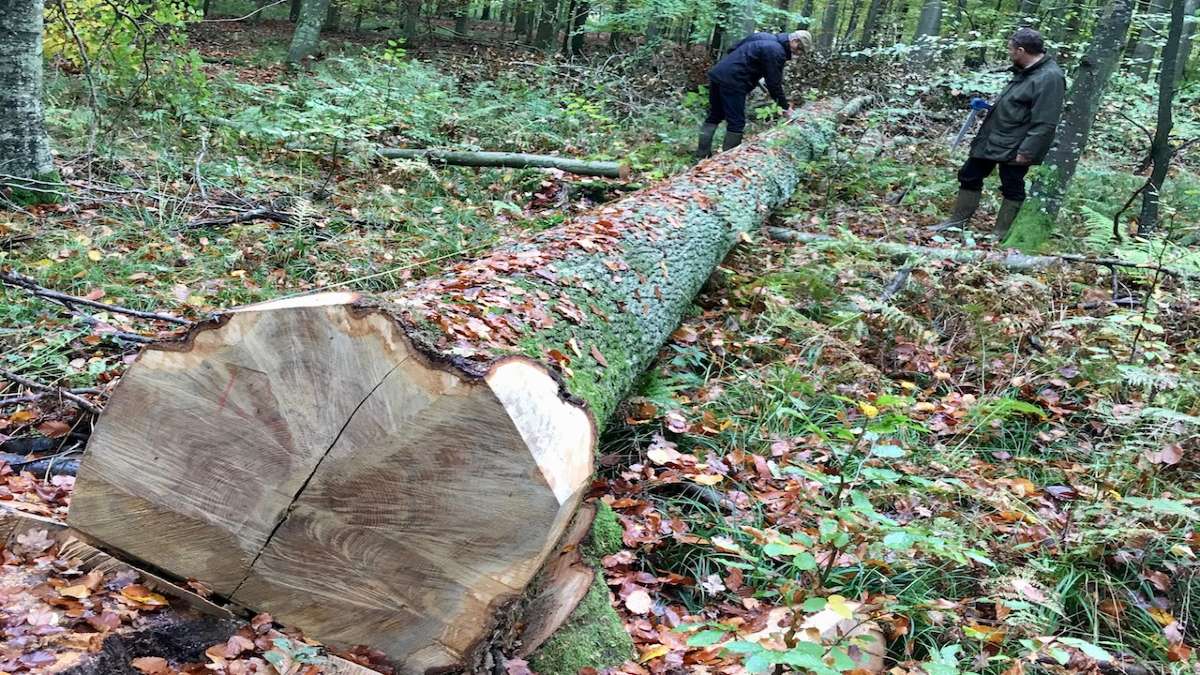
[81, 401]
[243, 18]
[8, 242]
[896, 284]
[30, 398]
[252, 214]
[19, 281]
[200, 160]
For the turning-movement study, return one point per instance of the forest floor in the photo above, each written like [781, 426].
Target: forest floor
[996, 469]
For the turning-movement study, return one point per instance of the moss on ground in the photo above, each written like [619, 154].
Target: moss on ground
[41, 189]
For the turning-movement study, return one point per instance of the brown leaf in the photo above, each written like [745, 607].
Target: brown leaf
[1179, 652]
[54, 428]
[152, 665]
[1169, 454]
[599, 357]
[140, 594]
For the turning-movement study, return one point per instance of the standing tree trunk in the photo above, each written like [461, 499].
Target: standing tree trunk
[579, 19]
[1160, 148]
[1027, 12]
[294, 11]
[828, 27]
[871, 24]
[785, 6]
[308, 30]
[929, 26]
[547, 25]
[614, 33]
[24, 146]
[746, 18]
[333, 17]
[1185, 44]
[807, 11]
[395, 471]
[1142, 58]
[412, 18]
[1083, 102]
[852, 25]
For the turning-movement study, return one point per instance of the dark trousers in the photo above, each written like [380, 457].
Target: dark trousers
[728, 107]
[1012, 177]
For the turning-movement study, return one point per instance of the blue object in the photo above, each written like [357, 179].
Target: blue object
[980, 104]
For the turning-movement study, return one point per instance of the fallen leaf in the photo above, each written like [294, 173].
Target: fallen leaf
[140, 594]
[151, 665]
[1028, 590]
[653, 653]
[54, 428]
[78, 591]
[639, 602]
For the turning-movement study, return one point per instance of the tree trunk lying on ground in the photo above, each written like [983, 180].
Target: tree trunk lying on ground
[1009, 260]
[514, 160]
[394, 471]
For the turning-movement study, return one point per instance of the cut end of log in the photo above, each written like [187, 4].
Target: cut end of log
[304, 458]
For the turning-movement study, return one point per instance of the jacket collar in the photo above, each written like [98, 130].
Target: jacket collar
[1046, 58]
[782, 38]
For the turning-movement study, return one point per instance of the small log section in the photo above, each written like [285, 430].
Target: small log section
[514, 160]
[394, 471]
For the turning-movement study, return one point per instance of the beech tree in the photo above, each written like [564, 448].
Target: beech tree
[1160, 148]
[24, 147]
[308, 30]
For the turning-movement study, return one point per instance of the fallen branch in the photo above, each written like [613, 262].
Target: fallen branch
[515, 160]
[23, 282]
[65, 393]
[244, 216]
[37, 396]
[1017, 262]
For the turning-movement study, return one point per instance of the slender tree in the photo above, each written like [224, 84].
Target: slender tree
[746, 18]
[1083, 102]
[1160, 148]
[308, 30]
[24, 146]
[580, 9]
[294, 10]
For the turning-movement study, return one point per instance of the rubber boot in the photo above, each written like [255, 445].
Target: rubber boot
[732, 140]
[1005, 217]
[704, 147]
[965, 206]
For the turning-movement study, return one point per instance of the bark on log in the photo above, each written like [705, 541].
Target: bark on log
[394, 471]
[515, 160]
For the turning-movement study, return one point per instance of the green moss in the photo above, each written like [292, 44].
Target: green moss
[1031, 230]
[42, 189]
[607, 532]
[593, 636]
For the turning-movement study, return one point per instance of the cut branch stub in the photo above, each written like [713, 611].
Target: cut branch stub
[394, 471]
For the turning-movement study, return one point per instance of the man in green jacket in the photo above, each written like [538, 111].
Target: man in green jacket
[1016, 133]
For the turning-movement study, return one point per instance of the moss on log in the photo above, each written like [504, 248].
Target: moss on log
[396, 470]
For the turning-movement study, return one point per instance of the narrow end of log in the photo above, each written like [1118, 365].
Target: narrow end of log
[624, 172]
[302, 457]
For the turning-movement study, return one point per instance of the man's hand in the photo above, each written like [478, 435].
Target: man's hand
[1022, 159]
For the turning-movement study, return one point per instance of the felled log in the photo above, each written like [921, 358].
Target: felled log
[394, 470]
[1011, 260]
[515, 160]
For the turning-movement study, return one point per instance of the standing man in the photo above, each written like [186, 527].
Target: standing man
[760, 56]
[1016, 133]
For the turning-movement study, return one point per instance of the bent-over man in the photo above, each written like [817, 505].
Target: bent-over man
[1016, 134]
[760, 56]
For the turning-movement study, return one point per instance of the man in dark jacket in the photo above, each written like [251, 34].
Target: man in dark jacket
[1016, 133]
[759, 57]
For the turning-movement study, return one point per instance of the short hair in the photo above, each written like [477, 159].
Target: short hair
[1029, 40]
[803, 37]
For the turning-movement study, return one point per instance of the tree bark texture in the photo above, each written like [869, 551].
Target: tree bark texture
[294, 10]
[871, 24]
[393, 471]
[1160, 148]
[547, 25]
[1142, 58]
[578, 24]
[24, 146]
[828, 34]
[1083, 102]
[307, 35]
[1185, 44]
[929, 25]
